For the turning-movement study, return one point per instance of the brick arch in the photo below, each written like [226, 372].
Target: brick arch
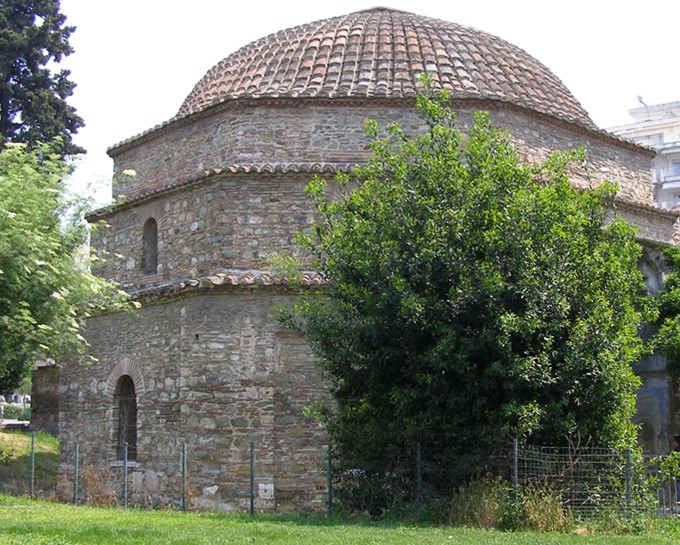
[125, 367]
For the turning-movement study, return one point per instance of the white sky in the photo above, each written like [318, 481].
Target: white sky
[136, 60]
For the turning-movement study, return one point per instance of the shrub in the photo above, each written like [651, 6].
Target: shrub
[16, 411]
[481, 503]
[6, 454]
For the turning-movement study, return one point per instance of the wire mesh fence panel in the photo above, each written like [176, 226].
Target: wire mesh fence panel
[664, 485]
[300, 480]
[28, 463]
[587, 480]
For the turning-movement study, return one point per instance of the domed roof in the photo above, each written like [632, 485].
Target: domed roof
[381, 53]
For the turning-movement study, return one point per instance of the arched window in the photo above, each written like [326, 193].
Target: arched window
[150, 247]
[125, 417]
[652, 277]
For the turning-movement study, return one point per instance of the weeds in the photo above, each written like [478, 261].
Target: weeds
[481, 503]
[96, 488]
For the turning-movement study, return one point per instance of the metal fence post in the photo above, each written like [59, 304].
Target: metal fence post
[628, 482]
[184, 476]
[32, 483]
[75, 473]
[329, 475]
[252, 478]
[419, 475]
[515, 467]
[125, 472]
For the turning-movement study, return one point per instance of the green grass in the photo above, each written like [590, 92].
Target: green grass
[25, 522]
[15, 474]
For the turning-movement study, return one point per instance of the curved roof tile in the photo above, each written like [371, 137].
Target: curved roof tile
[382, 53]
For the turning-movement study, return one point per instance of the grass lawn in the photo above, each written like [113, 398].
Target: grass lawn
[25, 522]
[15, 474]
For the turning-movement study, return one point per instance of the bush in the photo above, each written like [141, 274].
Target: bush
[16, 411]
[6, 454]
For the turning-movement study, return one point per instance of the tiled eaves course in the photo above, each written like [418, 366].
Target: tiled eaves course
[291, 169]
[382, 53]
[229, 278]
[327, 169]
[307, 169]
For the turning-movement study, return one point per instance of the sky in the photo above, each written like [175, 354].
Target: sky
[135, 61]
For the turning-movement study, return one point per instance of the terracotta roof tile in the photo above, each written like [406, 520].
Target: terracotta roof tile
[328, 169]
[381, 53]
[243, 278]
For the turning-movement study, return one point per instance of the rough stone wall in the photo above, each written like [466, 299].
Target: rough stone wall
[213, 370]
[45, 399]
[257, 132]
[229, 222]
[239, 220]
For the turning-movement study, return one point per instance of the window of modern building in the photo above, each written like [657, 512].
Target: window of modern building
[150, 247]
[125, 418]
[651, 140]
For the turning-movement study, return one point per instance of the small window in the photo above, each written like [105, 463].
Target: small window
[125, 418]
[150, 247]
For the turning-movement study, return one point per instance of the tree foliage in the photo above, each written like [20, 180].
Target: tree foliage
[471, 296]
[46, 287]
[33, 105]
[667, 338]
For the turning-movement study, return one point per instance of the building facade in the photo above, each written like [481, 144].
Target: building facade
[212, 195]
[658, 127]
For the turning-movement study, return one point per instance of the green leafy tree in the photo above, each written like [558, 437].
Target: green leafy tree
[46, 287]
[667, 338]
[33, 105]
[471, 297]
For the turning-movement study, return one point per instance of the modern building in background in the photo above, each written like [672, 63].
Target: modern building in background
[658, 127]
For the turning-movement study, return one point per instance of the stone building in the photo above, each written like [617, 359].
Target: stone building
[213, 193]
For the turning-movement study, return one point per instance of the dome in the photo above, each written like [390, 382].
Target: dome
[381, 53]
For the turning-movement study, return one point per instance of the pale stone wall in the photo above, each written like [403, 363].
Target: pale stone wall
[213, 370]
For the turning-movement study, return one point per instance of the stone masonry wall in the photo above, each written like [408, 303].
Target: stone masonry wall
[238, 220]
[213, 370]
[327, 131]
[44, 399]
[211, 367]
[228, 222]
